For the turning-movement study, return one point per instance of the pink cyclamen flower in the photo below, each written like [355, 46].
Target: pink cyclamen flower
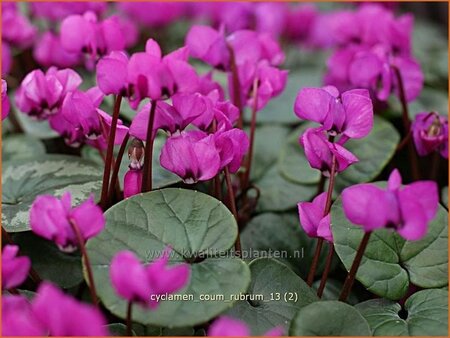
[6, 58]
[349, 113]
[193, 156]
[63, 315]
[153, 14]
[53, 219]
[56, 11]
[14, 269]
[17, 29]
[132, 182]
[407, 209]
[312, 220]
[319, 152]
[138, 283]
[48, 51]
[84, 34]
[230, 327]
[41, 95]
[18, 318]
[173, 118]
[430, 133]
[232, 146]
[5, 100]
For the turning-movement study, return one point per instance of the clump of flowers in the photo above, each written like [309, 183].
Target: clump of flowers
[430, 133]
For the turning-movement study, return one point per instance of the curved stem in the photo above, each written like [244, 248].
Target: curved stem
[252, 137]
[407, 124]
[148, 157]
[129, 317]
[233, 209]
[87, 263]
[355, 265]
[115, 174]
[109, 151]
[314, 263]
[326, 271]
[236, 87]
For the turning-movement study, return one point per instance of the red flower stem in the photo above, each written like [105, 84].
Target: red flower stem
[232, 206]
[407, 124]
[109, 152]
[87, 263]
[315, 262]
[129, 321]
[326, 271]
[252, 138]
[354, 268]
[33, 274]
[236, 87]
[148, 157]
[115, 174]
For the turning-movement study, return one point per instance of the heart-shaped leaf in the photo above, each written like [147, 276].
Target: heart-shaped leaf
[23, 180]
[281, 236]
[444, 196]
[193, 224]
[425, 314]
[32, 127]
[279, 194]
[21, 146]
[390, 263]
[49, 262]
[275, 294]
[329, 318]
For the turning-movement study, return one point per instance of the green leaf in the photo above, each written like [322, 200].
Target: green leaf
[390, 263]
[333, 289]
[281, 109]
[49, 262]
[374, 153]
[24, 180]
[444, 196]
[279, 194]
[21, 146]
[38, 129]
[118, 329]
[268, 142]
[161, 177]
[281, 236]
[329, 318]
[426, 315]
[193, 224]
[293, 164]
[275, 294]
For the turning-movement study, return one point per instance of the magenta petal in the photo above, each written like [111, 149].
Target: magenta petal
[228, 327]
[18, 318]
[324, 229]
[167, 279]
[415, 222]
[89, 218]
[344, 158]
[311, 214]
[111, 31]
[152, 48]
[395, 180]
[112, 73]
[364, 70]
[313, 104]
[277, 331]
[366, 205]
[75, 33]
[425, 193]
[14, 269]
[132, 183]
[129, 278]
[359, 113]
[412, 77]
[57, 311]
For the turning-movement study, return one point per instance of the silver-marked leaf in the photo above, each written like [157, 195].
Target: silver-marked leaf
[24, 180]
[390, 263]
[329, 318]
[38, 129]
[193, 224]
[20, 146]
[425, 314]
[275, 294]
